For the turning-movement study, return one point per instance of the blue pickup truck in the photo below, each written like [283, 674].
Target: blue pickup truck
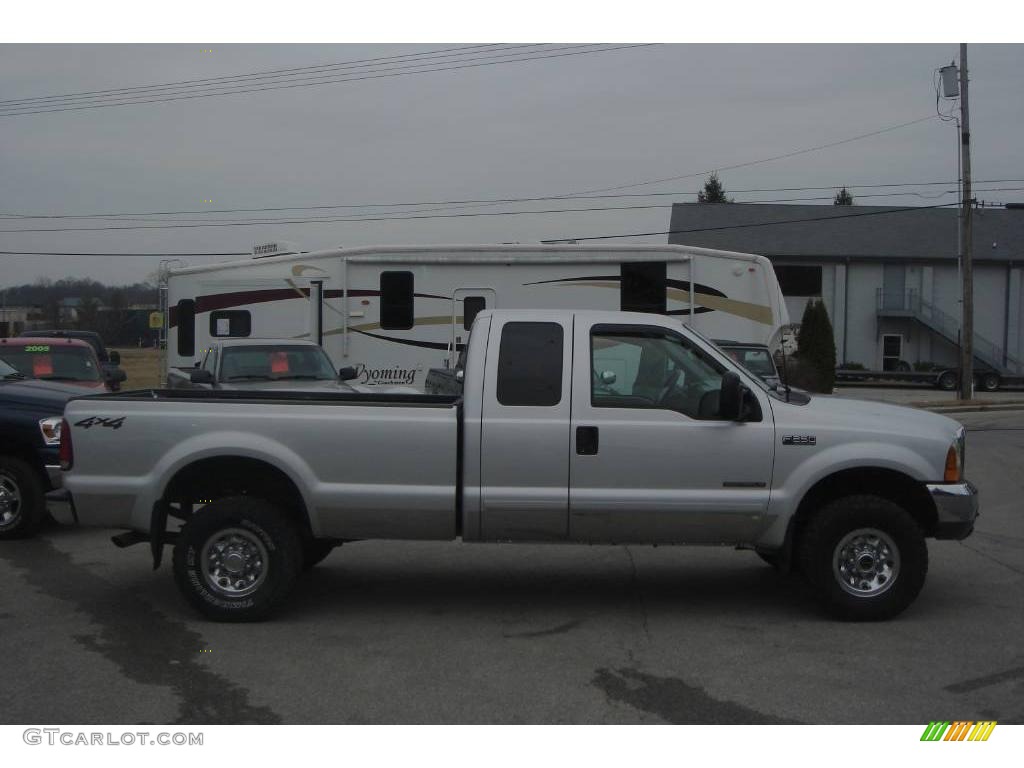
[30, 419]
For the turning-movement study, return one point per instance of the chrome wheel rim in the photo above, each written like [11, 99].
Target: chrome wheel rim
[866, 562]
[10, 502]
[234, 562]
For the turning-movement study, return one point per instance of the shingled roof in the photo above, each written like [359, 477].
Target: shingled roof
[842, 232]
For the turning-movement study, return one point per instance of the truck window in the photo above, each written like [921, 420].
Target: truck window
[649, 368]
[530, 364]
[232, 323]
[471, 307]
[642, 287]
[186, 327]
[396, 301]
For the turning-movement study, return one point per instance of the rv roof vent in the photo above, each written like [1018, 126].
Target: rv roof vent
[276, 248]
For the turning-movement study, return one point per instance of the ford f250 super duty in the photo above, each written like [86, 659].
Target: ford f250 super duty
[573, 426]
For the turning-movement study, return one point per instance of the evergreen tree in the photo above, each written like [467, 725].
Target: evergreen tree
[816, 344]
[843, 197]
[713, 191]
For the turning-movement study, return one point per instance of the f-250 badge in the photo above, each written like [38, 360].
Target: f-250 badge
[96, 421]
[799, 440]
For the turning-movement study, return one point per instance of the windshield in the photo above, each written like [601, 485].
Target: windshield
[8, 371]
[54, 362]
[754, 359]
[275, 362]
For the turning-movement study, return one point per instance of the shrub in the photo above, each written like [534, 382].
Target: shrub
[816, 345]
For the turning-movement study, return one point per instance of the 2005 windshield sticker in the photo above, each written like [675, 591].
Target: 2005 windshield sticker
[959, 730]
[96, 421]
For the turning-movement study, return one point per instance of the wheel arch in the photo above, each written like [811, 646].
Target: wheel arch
[886, 483]
[890, 484]
[209, 478]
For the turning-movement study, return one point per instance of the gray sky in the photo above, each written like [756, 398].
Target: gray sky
[545, 127]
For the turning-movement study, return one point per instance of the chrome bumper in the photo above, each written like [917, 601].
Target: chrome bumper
[957, 507]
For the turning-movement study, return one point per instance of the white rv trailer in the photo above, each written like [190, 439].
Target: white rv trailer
[395, 312]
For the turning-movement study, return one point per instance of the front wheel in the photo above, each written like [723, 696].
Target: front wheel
[22, 499]
[864, 557]
[237, 559]
[947, 381]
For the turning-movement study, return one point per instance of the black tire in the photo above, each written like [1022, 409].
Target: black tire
[947, 381]
[315, 551]
[22, 499]
[990, 382]
[892, 545]
[265, 552]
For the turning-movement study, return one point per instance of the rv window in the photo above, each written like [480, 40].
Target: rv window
[396, 300]
[642, 287]
[530, 364]
[230, 322]
[799, 280]
[186, 328]
[471, 307]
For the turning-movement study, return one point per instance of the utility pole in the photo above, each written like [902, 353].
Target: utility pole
[967, 288]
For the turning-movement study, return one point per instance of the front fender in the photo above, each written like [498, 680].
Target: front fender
[793, 479]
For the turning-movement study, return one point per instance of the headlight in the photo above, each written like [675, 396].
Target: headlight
[955, 459]
[50, 427]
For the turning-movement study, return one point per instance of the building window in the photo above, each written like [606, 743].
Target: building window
[186, 328]
[230, 323]
[530, 364]
[471, 307]
[396, 301]
[799, 280]
[642, 287]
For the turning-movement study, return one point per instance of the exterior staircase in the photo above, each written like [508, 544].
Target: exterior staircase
[910, 304]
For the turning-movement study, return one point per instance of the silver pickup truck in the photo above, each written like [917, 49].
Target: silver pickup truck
[588, 427]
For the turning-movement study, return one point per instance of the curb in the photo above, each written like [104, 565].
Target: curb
[971, 408]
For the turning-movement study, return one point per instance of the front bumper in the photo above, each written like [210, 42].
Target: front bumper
[957, 507]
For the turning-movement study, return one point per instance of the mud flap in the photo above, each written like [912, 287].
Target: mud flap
[157, 531]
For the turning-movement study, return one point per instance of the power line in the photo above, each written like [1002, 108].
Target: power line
[756, 224]
[78, 253]
[259, 75]
[412, 217]
[13, 112]
[128, 214]
[224, 88]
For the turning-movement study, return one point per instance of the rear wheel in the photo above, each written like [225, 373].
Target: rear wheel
[865, 558]
[237, 559]
[22, 499]
[990, 382]
[948, 381]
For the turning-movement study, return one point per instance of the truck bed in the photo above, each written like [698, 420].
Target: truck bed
[339, 451]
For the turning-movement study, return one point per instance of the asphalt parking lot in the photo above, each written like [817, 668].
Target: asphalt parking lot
[386, 632]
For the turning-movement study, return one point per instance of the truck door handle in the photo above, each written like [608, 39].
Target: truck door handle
[586, 441]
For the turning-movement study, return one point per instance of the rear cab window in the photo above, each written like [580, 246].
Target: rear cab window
[530, 361]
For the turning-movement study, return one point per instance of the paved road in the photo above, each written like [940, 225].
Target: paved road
[451, 633]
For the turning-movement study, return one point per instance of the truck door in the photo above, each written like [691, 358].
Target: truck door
[524, 441]
[651, 461]
[467, 303]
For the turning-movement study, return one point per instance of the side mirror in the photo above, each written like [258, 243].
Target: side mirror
[730, 397]
[200, 376]
[347, 373]
[608, 377]
[114, 357]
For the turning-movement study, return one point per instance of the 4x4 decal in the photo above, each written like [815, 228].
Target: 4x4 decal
[96, 421]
